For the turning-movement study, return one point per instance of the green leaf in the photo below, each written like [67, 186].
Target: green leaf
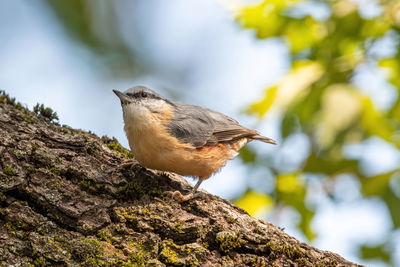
[265, 17]
[303, 34]
[375, 252]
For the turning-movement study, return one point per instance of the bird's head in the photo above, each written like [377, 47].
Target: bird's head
[141, 101]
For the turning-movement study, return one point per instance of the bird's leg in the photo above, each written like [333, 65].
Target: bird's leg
[181, 198]
[196, 186]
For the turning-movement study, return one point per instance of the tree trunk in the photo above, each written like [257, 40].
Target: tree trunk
[66, 198]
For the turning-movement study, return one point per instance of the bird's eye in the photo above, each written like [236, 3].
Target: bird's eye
[144, 94]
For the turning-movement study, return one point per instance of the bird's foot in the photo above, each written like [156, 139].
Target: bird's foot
[182, 198]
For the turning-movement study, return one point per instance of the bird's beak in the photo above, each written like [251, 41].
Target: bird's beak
[123, 97]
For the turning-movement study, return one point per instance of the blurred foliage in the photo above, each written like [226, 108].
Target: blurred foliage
[319, 98]
[375, 252]
[253, 201]
[94, 24]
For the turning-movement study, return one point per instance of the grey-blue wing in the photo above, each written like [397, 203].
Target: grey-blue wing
[200, 126]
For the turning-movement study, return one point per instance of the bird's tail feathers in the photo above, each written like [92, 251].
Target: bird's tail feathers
[263, 139]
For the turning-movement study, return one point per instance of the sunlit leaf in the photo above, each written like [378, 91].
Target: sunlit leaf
[255, 203]
[351, 51]
[262, 107]
[303, 35]
[391, 66]
[266, 17]
[289, 183]
[375, 122]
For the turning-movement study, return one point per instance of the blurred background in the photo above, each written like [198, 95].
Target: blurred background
[320, 77]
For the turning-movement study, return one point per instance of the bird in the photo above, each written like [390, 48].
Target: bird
[181, 138]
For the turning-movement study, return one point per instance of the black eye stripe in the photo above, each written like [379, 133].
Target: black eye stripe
[143, 95]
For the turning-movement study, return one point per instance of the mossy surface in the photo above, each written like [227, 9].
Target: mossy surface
[6, 99]
[231, 220]
[114, 145]
[228, 242]
[174, 255]
[9, 171]
[41, 110]
[131, 190]
[276, 250]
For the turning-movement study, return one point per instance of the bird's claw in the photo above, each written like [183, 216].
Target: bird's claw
[182, 198]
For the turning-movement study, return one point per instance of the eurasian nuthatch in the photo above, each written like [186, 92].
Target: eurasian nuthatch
[180, 138]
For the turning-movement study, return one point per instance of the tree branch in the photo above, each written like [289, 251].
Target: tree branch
[67, 199]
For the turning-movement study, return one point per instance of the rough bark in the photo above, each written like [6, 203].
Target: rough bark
[66, 198]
